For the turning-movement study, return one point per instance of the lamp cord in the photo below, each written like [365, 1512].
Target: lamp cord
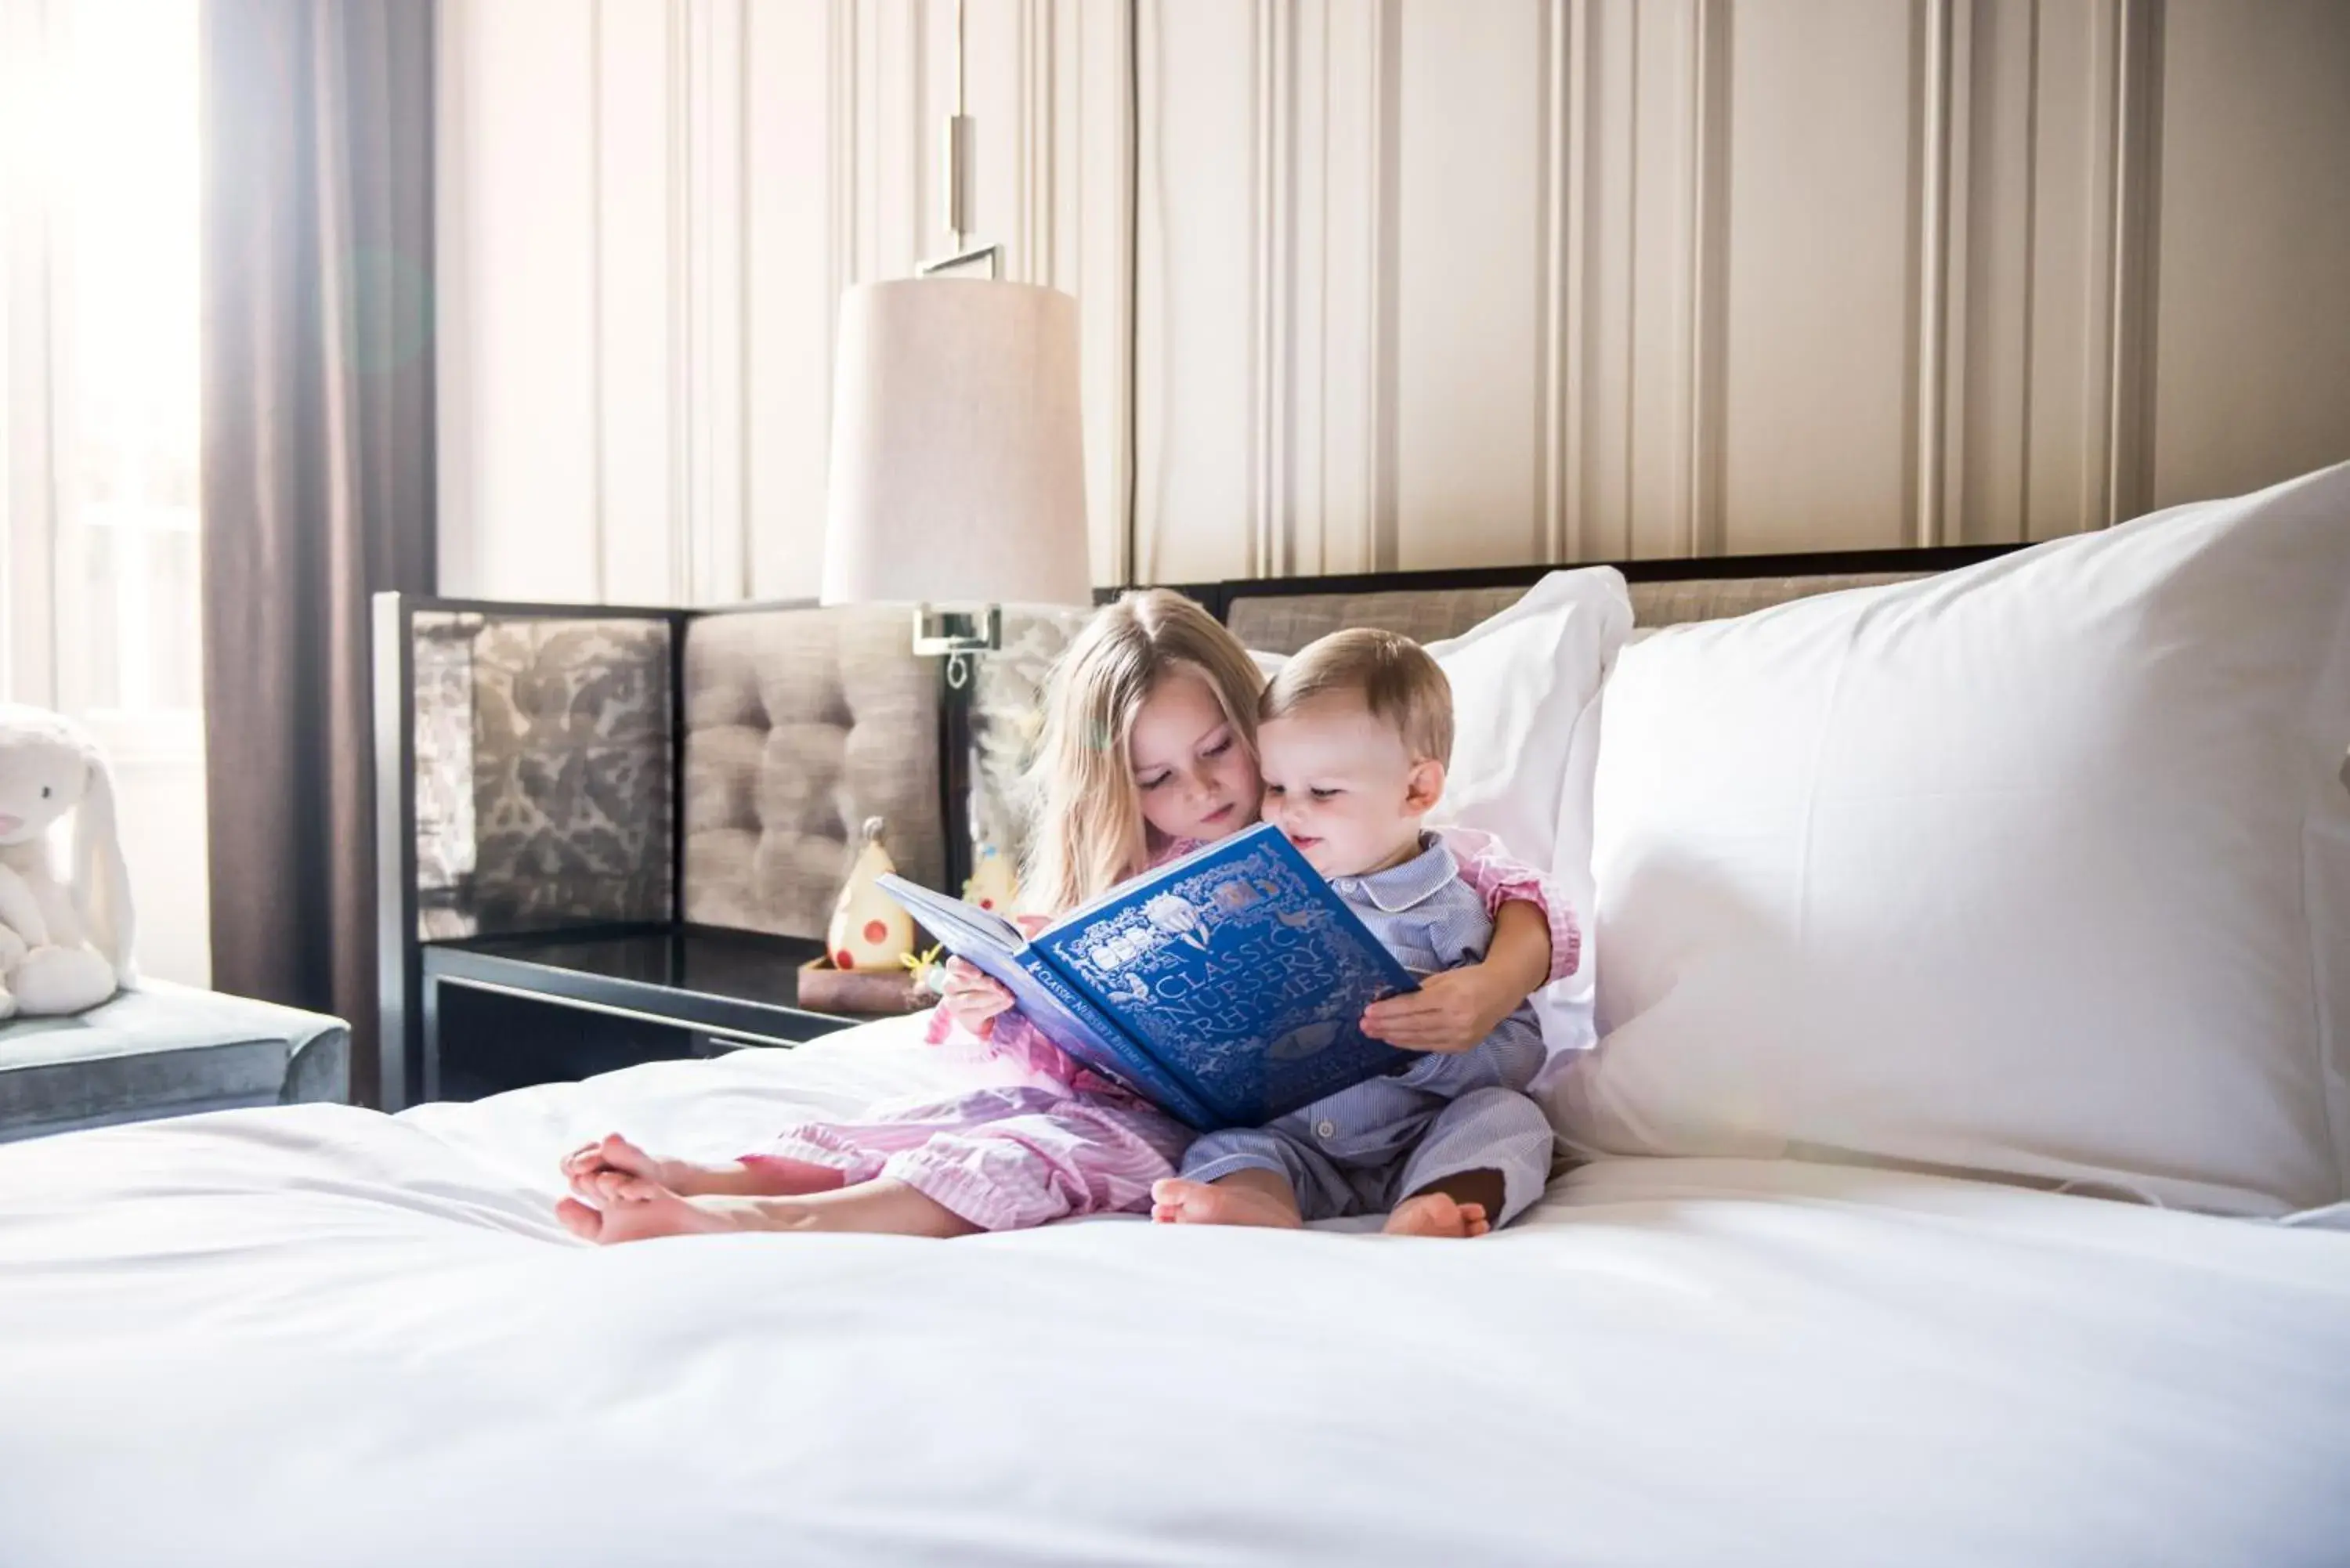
[1127, 569]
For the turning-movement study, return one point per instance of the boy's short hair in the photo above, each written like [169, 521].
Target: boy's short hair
[1395, 677]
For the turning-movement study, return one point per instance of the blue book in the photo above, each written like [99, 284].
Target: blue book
[1224, 987]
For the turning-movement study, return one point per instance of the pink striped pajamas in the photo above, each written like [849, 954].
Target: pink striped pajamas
[1069, 1143]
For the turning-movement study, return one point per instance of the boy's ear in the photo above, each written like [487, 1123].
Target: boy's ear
[1424, 787]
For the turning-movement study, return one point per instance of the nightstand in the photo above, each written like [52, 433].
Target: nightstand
[500, 1012]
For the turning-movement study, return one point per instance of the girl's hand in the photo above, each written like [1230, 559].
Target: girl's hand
[1452, 1011]
[972, 999]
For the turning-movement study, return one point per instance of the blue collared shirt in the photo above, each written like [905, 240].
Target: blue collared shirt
[1431, 920]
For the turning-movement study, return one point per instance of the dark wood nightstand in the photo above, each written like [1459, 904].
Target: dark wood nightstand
[500, 1012]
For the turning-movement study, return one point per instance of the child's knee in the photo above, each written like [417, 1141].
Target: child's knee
[1505, 1111]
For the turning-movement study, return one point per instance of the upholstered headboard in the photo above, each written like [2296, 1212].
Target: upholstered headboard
[1277, 622]
[799, 723]
[577, 767]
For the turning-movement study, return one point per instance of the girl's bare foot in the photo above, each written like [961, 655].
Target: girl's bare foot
[613, 1152]
[754, 1176]
[635, 1209]
[1175, 1201]
[1436, 1214]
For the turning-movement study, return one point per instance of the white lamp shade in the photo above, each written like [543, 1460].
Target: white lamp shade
[958, 476]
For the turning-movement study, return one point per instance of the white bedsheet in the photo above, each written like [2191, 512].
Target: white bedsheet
[318, 1337]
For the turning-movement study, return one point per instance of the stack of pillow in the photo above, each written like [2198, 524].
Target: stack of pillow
[2036, 871]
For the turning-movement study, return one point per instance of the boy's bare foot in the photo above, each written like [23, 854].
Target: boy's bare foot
[1436, 1214]
[637, 1208]
[1175, 1201]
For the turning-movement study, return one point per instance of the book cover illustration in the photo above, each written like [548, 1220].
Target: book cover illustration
[1242, 969]
[1225, 986]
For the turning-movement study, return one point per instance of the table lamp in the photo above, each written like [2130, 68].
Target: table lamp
[958, 477]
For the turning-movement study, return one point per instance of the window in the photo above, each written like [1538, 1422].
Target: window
[99, 240]
[98, 431]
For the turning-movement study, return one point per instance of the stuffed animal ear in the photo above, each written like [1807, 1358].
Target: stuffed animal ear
[101, 881]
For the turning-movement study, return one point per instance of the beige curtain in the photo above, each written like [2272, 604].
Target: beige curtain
[318, 467]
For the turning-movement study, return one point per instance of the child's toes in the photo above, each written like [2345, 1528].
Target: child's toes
[622, 1155]
[605, 1185]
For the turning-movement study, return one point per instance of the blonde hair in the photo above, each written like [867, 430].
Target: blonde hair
[1089, 835]
[1401, 685]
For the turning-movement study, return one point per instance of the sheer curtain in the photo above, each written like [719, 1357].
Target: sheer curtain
[319, 474]
[100, 514]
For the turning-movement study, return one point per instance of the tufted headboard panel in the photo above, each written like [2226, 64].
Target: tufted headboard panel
[800, 724]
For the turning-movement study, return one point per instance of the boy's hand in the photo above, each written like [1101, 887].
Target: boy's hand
[1452, 1011]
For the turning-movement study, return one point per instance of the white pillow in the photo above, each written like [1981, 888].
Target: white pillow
[1525, 741]
[1525, 737]
[1525, 734]
[2038, 868]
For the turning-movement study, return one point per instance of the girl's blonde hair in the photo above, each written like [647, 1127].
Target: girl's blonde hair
[1089, 834]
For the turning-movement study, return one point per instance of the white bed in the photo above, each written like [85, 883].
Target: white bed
[320, 1335]
[2040, 868]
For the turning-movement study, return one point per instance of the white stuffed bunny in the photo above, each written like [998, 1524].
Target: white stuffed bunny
[64, 947]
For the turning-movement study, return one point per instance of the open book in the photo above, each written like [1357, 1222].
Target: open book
[1224, 987]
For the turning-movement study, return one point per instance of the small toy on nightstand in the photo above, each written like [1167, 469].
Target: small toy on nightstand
[993, 884]
[868, 944]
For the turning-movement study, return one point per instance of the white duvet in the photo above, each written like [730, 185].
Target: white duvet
[322, 1337]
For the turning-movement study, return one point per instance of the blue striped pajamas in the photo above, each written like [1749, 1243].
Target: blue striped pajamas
[1365, 1149]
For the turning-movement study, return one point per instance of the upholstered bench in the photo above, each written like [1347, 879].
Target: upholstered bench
[165, 1050]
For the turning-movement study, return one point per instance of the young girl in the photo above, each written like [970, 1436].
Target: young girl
[1149, 750]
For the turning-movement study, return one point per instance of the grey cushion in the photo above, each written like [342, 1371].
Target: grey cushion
[1279, 623]
[1724, 598]
[1282, 624]
[165, 1050]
